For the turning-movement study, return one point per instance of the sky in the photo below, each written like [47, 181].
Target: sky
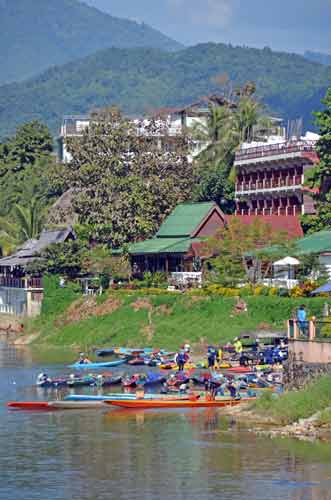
[290, 25]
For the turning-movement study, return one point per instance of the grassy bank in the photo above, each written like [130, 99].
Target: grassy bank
[160, 319]
[295, 405]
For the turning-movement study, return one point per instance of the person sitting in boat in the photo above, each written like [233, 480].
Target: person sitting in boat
[43, 379]
[233, 390]
[182, 388]
[83, 360]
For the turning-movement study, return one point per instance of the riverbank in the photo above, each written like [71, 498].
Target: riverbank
[304, 414]
[154, 317]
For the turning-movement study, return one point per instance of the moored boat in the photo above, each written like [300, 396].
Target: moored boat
[161, 403]
[90, 366]
[29, 405]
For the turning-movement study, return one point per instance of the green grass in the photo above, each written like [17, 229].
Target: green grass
[175, 318]
[294, 405]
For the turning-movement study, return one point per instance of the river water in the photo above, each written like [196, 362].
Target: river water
[118, 454]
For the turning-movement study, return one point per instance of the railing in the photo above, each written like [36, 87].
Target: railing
[275, 149]
[187, 277]
[269, 184]
[10, 282]
[290, 210]
[313, 329]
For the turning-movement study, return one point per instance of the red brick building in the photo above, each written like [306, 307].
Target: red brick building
[270, 179]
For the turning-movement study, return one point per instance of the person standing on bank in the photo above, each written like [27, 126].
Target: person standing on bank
[302, 320]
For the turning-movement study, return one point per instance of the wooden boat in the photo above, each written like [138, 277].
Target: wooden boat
[76, 405]
[92, 366]
[161, 403]
[29, 405]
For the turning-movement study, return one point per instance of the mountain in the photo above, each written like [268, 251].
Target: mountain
[318, 57]
[138, 80]
[36, 34]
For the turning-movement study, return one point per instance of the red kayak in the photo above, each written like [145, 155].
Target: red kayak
[238, 369]
[30, 405]
[161, 403]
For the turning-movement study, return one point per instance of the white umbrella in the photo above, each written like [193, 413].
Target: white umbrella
[287, 261]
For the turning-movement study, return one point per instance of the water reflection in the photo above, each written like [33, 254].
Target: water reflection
[150, 454]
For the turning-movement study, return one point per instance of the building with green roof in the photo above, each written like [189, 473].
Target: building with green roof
[179, 241]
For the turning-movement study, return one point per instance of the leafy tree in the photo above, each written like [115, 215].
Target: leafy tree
[239, 250]
[127, 177]
[60, 258]
[31, 142]
[320, 177]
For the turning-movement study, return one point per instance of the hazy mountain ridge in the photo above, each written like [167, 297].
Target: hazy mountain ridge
[139, 80]
[36, 34]
[318, 57]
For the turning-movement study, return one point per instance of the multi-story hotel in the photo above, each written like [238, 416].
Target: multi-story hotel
[270, 178]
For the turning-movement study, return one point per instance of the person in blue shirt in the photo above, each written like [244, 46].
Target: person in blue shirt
[302, 320]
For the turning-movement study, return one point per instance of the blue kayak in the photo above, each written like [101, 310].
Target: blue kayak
[89, 366]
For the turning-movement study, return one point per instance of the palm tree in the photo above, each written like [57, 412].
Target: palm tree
[216, 133]
[26, 223]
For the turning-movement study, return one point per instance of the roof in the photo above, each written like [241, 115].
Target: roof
[315, 243]
[31, 248]
[185, 219]
[161, 245]
[280, 223]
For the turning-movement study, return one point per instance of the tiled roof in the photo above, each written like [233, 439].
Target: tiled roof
[184, 219]
[289, 224]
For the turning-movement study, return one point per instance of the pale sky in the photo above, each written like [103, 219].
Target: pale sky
[291, 25]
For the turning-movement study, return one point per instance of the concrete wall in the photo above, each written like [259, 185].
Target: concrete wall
[311, 351]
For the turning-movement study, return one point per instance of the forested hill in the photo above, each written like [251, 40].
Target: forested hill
[36, 34]
[318, 57]
[138, 80]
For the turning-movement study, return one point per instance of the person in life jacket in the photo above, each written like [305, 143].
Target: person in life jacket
[211, 355]
[238, 347]
[180, 360]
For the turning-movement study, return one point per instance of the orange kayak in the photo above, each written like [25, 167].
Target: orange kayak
[161, 403]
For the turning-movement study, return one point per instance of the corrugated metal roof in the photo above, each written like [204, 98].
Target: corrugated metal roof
[184, 219]
[160, 245]
[315, 243]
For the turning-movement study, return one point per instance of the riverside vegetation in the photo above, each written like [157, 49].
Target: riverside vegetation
[154, 317]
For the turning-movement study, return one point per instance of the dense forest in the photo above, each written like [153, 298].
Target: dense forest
[318, 57]
[36, 34]
[139, 80]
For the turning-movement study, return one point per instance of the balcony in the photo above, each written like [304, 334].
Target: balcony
[289, 210]
[24, 283]
[270, 150]
[282, 184]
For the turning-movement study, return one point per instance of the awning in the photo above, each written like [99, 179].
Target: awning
[322, 289]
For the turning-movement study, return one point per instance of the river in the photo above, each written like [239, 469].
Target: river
[153, 455]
